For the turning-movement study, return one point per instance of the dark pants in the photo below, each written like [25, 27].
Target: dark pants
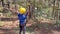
[22, 28]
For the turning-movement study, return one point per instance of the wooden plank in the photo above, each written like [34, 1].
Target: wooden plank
[8, 19]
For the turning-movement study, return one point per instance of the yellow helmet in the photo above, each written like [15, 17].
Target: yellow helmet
[22, 10]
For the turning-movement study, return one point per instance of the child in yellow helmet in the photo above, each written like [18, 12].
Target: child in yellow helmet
[22, 15]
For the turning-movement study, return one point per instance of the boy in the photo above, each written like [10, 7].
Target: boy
[22, 16]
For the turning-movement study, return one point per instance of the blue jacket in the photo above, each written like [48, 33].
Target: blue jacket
[22, 18]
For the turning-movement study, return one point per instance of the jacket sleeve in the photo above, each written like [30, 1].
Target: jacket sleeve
[18, 16]
[26, 13]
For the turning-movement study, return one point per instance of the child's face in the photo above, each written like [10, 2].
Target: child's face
[24, 13]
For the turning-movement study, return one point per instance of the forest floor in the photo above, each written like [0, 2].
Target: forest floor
[11, 27]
